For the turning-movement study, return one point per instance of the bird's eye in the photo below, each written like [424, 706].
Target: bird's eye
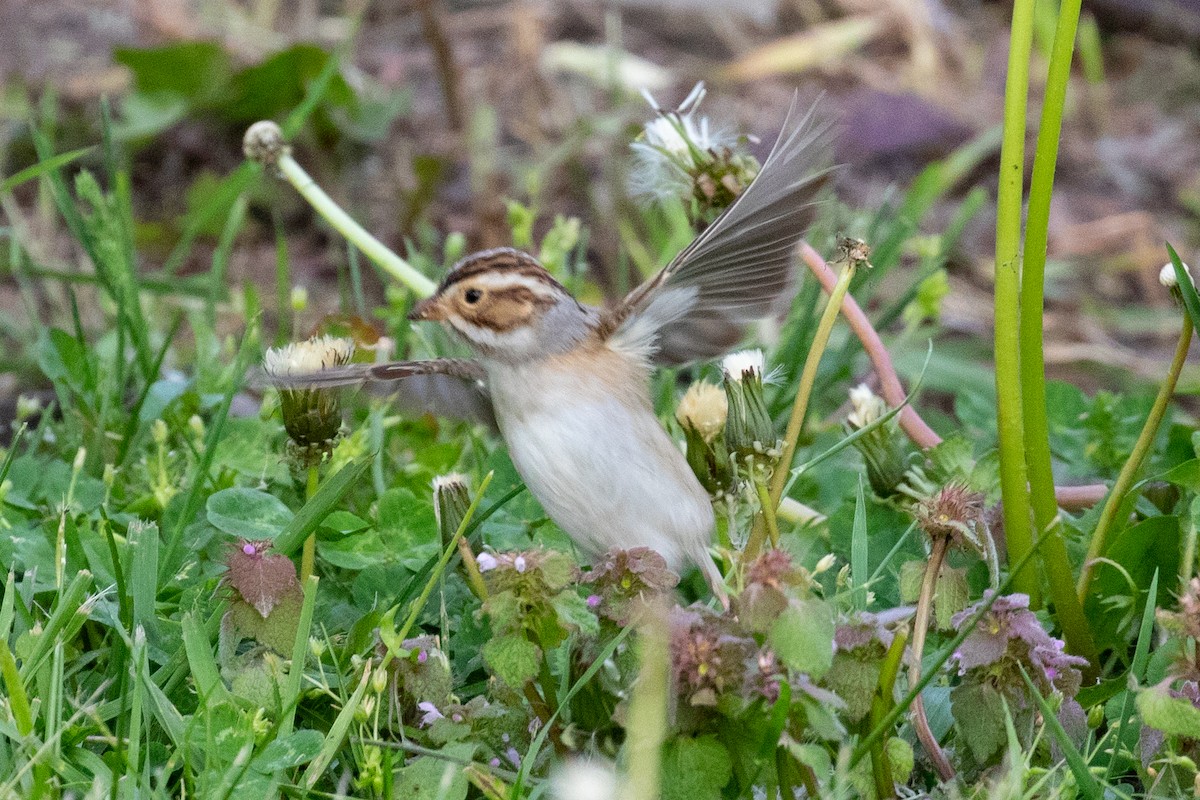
[472, 296]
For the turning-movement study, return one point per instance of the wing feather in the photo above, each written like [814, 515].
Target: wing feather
[446, 387]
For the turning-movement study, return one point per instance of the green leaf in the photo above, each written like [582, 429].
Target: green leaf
[951, 595]
[803, 637]
[195, 71]
[514, 659]
[248, 514]
[854, 680]
[695, 769]
[1175, 716]
[433, 777]
[979, 715]
[315, 510]
[63, 359]
[573, 610]
[291, 751]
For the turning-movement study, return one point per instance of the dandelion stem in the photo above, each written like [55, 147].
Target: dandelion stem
[883, 702]
[344, 224]
[308, 556]
[920, 722]
[808, 377]
[1116, 497]
[766, 525]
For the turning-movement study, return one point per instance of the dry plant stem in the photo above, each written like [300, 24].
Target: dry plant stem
[1073, 498]
[920, 722]
[308, 557]
[1129, 471]
[344, 224]
[435, 34]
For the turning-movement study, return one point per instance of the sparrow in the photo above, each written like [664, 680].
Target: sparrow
[567, 385]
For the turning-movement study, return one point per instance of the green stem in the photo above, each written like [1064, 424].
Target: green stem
[344, 224]
[768, 511]
[1068, 609]
[1013, 486]
[883, 702]
[808, 377]
[1129, 471]
[309, 555]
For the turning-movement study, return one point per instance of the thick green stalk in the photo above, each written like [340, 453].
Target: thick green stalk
[1068, 609]
[1129, 471]
[344, 224]
[1013, 486]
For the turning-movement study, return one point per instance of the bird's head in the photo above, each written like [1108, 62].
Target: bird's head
[507, 307]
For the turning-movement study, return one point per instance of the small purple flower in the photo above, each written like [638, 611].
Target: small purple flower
[431, 714]
[495, 762]
[519, 563]
[456, 717]
[422, 656]
[485, 561]
[513, 756]
[593, 600]
[248, 549]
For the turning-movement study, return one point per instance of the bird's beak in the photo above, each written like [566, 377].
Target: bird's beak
[428, 310]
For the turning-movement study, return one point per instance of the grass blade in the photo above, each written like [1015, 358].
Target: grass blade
[312, 513]
[1085, 782]
[1137, 672]
[43, 167]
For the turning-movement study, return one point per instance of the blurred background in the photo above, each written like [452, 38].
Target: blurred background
[455, 124]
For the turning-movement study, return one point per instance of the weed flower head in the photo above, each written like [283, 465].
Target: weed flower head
[680, 154]
[1167, 277]
[703, 408]
[749, 431]
[264, 142]
[311, 416]
[882, 448]
[451, 499]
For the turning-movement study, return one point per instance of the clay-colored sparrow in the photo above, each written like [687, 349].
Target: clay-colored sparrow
[567, 384]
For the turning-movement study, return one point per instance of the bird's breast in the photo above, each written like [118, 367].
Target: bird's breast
[588, 445]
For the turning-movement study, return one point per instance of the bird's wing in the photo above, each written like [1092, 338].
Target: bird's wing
[739, 269]
[446, 387]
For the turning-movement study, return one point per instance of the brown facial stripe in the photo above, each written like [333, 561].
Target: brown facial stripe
[504, 259]
[505, 308]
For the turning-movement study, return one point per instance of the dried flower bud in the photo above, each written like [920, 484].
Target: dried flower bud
[264, 143]
[749, 431]
[1167, 277]
[312, 416]
[883, 449]
[704, 409]
[451, 499]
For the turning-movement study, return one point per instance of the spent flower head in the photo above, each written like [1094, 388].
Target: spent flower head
[451, 499]
[883, 448]
[624, 578]
[264, 142]
[312, 416]
[958, 513]
[749, 431]
[704, 409]
[681, 154]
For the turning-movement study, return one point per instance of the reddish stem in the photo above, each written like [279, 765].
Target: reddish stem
[1072, 498]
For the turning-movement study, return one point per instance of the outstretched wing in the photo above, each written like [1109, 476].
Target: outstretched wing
[445, 387]
[739, 269]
